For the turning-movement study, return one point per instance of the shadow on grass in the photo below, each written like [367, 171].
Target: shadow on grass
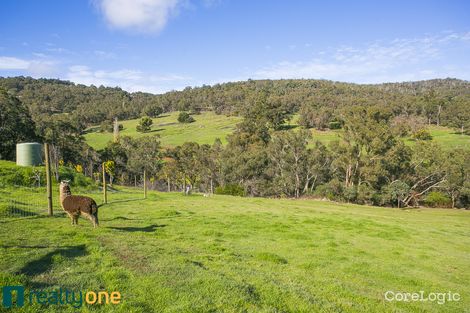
[120, 218]
[122, 201]
[19, 218]
[145, 229]
[44, 264]
[288, 127]
[24, 247]
[14, 211]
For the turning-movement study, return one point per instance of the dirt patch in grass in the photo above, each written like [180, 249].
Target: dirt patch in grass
[127, 256]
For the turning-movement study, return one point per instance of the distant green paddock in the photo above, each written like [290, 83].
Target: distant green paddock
[207, 127]
[448, 138]
[175, 253]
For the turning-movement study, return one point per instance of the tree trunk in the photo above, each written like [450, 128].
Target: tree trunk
[439, 109]
[307, 181]
[168, 184]
[297, 185]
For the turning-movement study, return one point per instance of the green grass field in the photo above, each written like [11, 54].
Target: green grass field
[447, 138]
[209, 126]
[175, 253]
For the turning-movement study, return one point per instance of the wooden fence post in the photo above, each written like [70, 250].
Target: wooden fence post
[105, 191]
[47, 160]
[145, 184]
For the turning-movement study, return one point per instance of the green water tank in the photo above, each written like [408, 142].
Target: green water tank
[29, 154]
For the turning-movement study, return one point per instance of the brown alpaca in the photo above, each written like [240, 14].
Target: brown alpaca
[76, 205]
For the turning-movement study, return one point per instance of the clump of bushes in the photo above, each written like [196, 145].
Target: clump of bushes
[335, 125]
[436, 199]
[231, 190]
[184, 117]
[422, 134]
[108, 127]
[145, 124]
[331, 190]
[153, 110]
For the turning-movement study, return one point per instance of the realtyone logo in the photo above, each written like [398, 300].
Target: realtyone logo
[56, 297]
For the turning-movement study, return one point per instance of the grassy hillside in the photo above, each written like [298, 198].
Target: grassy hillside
[172, 253]
[207, 127]
[448, 138]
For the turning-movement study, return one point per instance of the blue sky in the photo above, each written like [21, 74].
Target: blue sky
[160, 45]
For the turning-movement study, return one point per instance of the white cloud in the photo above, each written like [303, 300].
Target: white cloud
[36, 68]
[42, 68]
[11, 63]
[130, 80]
[398, 60]
[140, 15]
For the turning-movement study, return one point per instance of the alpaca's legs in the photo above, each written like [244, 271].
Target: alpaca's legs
[92, 218]
[71, 218]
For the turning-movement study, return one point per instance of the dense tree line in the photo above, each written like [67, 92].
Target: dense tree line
[319, 102]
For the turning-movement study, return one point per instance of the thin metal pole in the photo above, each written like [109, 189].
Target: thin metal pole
[48, 179]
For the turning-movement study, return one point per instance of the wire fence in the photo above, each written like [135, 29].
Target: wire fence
[23, 202]
[16, 208]
[29, 202]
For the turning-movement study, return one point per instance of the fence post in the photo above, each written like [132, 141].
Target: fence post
[105, 192]
[145, 184]
[48, 179]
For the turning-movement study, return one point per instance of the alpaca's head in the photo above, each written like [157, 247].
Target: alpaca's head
[64, 187]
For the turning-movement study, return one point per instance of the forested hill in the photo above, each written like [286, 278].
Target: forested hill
[430, 98]
[263, 155]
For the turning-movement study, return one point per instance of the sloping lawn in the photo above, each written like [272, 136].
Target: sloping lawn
[175, 253]
[207, 127]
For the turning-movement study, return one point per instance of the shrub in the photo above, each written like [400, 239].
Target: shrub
[366, 194]
[153, 110]
[184, 117]
[334, 125]
[108, 126]
[231, 190]
[350, 194]
[422, 134]
[436, 199]
[144, 125]
[331, 190]
[394, 193]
